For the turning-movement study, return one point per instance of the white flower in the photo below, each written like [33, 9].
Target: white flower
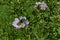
[43, 5]
[22, 25]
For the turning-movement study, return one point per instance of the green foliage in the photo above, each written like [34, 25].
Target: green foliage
[44, 25]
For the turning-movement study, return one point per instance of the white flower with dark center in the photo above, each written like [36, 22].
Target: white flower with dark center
[43, 5]
[22, 20]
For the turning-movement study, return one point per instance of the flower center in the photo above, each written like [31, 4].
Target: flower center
[21, 21]
[38, 7]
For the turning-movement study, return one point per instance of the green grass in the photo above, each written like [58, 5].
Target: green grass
[44, 25]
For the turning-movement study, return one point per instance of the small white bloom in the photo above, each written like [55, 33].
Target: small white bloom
[43, 5]
[22, 25]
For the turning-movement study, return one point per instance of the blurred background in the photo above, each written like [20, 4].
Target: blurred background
[44, 25]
